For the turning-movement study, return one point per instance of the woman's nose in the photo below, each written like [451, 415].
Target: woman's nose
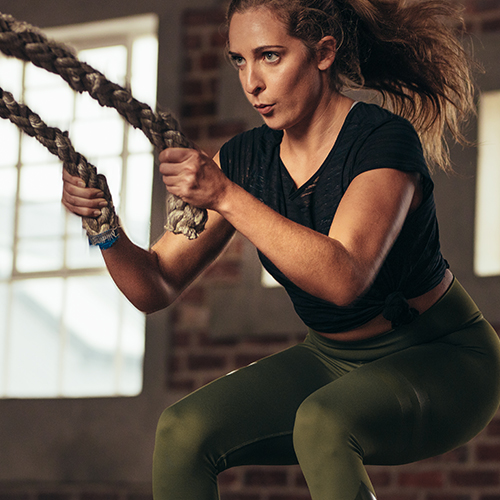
[253, 82]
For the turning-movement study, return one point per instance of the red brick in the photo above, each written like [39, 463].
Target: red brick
[192, 132]
[459, 455]
[239, 496]
[290, 497]
[427, 479]
[488, 452]
[194, 295]
[54, 496]
[206, 362]
[475, 478]
[396, 496]
[218, 39]
[209, 61]
[225, 129]
[181, 339]
[204, 339]
[203, 17]
[265, 477]
[446, 496]
[184, 386]
[227, 478]
[493, 428]
[475, 6]
[192, 42]
[491, 25]
[246, 359]
[99, 496]
[192, 88]
[300, 480]
[174, 364]
[380, 479]
[196, 110]
[140, 496]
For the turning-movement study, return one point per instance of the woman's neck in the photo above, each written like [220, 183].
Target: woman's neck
[305, 146]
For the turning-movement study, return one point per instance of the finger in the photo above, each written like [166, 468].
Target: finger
[81, 210]
[176, 155]
[72, 179]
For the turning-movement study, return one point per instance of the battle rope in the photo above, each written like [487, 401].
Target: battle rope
[23, 41]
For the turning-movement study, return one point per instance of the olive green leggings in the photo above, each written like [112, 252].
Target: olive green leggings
[332, 407]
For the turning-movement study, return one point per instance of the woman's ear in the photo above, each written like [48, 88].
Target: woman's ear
[326, 51]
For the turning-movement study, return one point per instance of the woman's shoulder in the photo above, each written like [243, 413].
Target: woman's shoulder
[262, 136]
[372, 115]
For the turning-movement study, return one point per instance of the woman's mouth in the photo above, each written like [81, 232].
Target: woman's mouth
[264, 109]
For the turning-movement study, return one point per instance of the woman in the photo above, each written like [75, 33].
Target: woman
[398, 364]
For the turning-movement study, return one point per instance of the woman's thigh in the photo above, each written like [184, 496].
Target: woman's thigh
[419, 402]
[247, 416]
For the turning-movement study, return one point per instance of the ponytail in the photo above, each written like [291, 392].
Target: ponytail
[408, 52]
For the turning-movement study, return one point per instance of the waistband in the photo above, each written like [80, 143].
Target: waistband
[452, 312]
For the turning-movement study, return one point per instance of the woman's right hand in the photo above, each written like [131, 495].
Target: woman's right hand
[79, 199]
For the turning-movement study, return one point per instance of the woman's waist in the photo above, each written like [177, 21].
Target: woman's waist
[380, 325]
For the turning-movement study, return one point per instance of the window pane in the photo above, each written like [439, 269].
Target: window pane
[79, 254]
[92, 323]
[144, 69]
[103, 137]
[9, 143]
[11, 75]
[39, 255]
[41, 183]
[138, 196]
[131, 349]
[111, 61]
[32, 152]
[34, 340]
[4, 314]
[54, 104]
[487, 236]
[41, 220]
[8, 182]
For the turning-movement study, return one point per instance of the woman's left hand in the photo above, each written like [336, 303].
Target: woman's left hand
[193, 176]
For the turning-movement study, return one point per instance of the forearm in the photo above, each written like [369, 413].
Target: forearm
[138, 275]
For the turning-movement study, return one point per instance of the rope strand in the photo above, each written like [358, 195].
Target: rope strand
[23, 41]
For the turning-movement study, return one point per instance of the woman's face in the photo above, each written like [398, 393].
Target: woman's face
[280, 78]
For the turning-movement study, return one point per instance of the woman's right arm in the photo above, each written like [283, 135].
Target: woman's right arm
[152, 279]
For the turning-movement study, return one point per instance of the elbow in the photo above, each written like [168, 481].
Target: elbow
[151, 306]
[349, 291]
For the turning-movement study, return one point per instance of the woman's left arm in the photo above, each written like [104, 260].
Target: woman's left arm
[338, 267]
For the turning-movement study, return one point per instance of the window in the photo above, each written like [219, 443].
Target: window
[65, 329]
[487, 235]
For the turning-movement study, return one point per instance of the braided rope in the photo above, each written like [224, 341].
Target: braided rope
[23, 41]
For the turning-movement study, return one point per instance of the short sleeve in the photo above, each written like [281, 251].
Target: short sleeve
[393, 144]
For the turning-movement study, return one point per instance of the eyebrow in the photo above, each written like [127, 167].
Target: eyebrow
[259, 50]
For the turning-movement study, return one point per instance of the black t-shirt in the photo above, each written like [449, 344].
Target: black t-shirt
[370, 138]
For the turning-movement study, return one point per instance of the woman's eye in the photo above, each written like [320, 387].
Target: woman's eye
[237, 61]
[270, 56]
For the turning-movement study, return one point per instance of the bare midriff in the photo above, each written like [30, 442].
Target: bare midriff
[379, 324]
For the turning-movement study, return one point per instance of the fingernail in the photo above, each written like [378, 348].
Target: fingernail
[81, 184]
[97, 213]
[103, 203]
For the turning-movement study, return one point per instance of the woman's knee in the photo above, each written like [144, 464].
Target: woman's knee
[321, 429]
[181, 435]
